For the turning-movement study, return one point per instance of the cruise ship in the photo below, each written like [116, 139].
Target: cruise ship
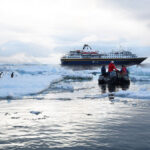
[87, 56]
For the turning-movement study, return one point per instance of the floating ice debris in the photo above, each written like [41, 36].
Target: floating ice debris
[124, 101]
[140, 78]
[15, 117]
[84, 88]
[35, 112]
[95, 73]
[134, 105]
[63, 99]
[34, 79]
[78, 75]
[29, 84]
[89, 114]
[139, 74]
[112, 101]
[97, 96]
[141, 94]
[6, 114]
[63, 86]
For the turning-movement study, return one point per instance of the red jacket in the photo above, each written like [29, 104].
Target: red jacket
[111, 67]
[124, 70]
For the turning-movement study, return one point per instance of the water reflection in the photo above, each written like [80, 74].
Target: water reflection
[113, 87]
[110, 88]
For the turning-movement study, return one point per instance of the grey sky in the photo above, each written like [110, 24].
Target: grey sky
[42, 30]
[138, 9]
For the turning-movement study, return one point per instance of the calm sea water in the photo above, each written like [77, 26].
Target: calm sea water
[52, 107]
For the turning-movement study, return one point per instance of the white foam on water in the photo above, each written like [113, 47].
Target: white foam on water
[96, 96]
[139, 73]
[77, 75]
[63, 86]
[140, 94]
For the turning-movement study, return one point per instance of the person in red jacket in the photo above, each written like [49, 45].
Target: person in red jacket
[124, 70]
[111, 67]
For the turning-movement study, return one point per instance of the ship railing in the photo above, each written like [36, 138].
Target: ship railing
[73, 56]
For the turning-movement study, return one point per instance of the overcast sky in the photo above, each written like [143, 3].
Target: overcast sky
[33, 31]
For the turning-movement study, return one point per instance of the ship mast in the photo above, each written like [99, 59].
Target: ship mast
[86, 46]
